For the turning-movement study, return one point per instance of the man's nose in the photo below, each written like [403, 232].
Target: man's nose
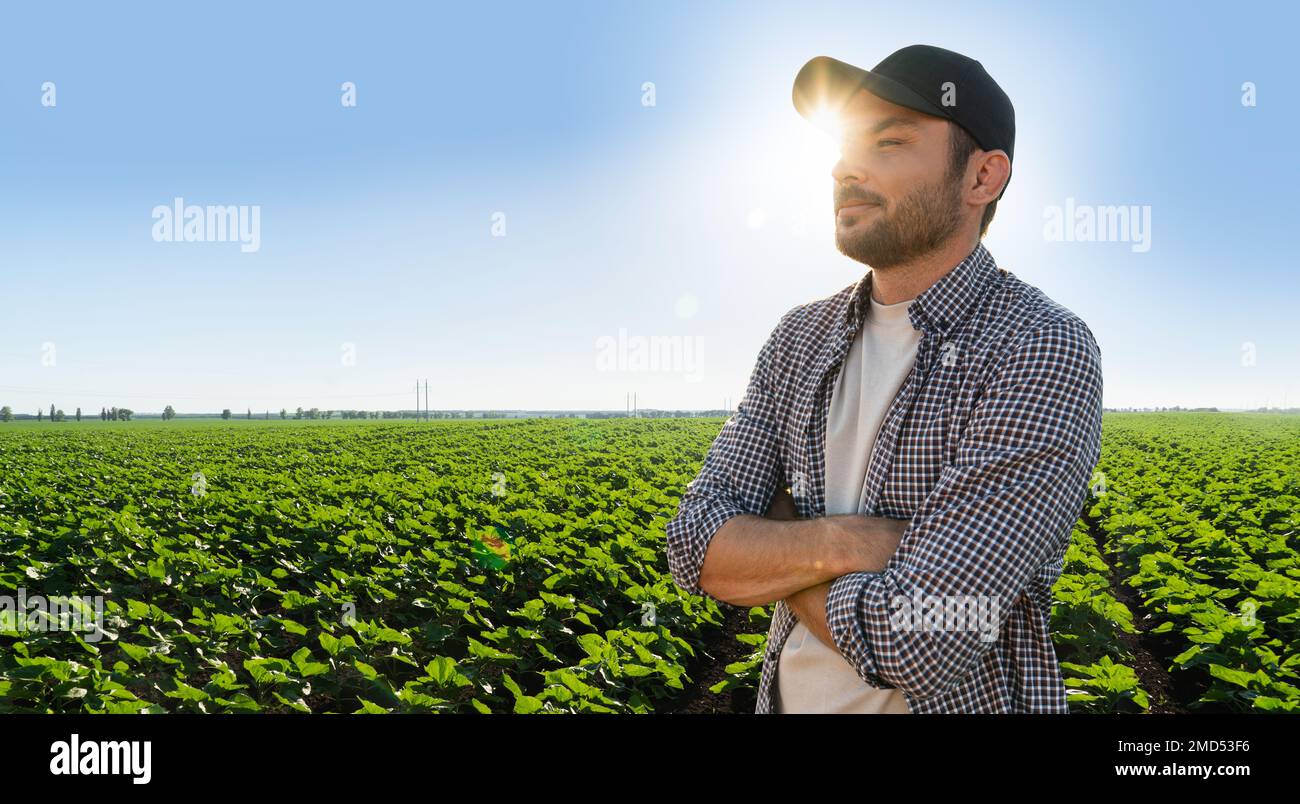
[844, 173]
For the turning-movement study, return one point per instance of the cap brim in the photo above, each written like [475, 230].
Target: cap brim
[826, 85]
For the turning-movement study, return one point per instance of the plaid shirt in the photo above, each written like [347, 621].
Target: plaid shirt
[986, 450]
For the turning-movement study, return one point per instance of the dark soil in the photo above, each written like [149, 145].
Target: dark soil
[1152, 653]
[712, 655]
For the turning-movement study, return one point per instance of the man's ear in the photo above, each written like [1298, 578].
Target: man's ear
[992, 170]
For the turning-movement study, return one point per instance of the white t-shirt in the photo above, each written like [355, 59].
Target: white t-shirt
[813, 677]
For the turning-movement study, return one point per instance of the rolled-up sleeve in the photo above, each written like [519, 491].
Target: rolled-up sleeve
[740, 473]
[1004, 505]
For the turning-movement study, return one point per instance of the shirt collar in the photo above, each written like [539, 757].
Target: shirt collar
[943, 305]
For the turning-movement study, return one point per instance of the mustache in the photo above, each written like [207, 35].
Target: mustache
[844, 197]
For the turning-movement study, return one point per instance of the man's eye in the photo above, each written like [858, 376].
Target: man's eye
[890, 142]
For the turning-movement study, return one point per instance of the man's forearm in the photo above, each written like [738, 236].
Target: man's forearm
[756, 561]
[809, 607]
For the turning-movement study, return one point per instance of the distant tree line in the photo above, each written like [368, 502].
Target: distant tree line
[116, 414]
[57, 414]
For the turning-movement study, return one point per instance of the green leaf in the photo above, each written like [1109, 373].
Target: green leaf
[527, 705]
[135, 652]
[482, 651]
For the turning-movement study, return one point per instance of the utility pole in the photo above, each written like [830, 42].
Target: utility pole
[426, 400]
[417, 400]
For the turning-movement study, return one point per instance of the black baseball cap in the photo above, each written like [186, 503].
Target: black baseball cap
[920, 77]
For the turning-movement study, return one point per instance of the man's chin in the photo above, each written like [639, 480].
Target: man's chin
[851, 234]
[860, 249]
[851, 238]
[851, 251]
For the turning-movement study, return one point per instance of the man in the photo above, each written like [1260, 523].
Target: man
[902, 475]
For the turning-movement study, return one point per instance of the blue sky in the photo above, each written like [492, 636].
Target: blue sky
[701, 218]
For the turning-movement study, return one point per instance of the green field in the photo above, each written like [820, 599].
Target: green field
[519, 566]
[1182, 588]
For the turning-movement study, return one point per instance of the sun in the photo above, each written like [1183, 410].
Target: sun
[784, 177]
[805, 175]
[828, 121]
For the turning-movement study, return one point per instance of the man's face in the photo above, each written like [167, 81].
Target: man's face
[894, 197]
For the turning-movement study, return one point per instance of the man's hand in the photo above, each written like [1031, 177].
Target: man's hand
[875, 538]
[809, 605]
[760, 560]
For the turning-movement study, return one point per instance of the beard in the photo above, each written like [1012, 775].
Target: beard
[917, 225]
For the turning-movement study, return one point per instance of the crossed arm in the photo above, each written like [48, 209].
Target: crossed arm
[736, 537]
[809, 603]
[755, 561]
